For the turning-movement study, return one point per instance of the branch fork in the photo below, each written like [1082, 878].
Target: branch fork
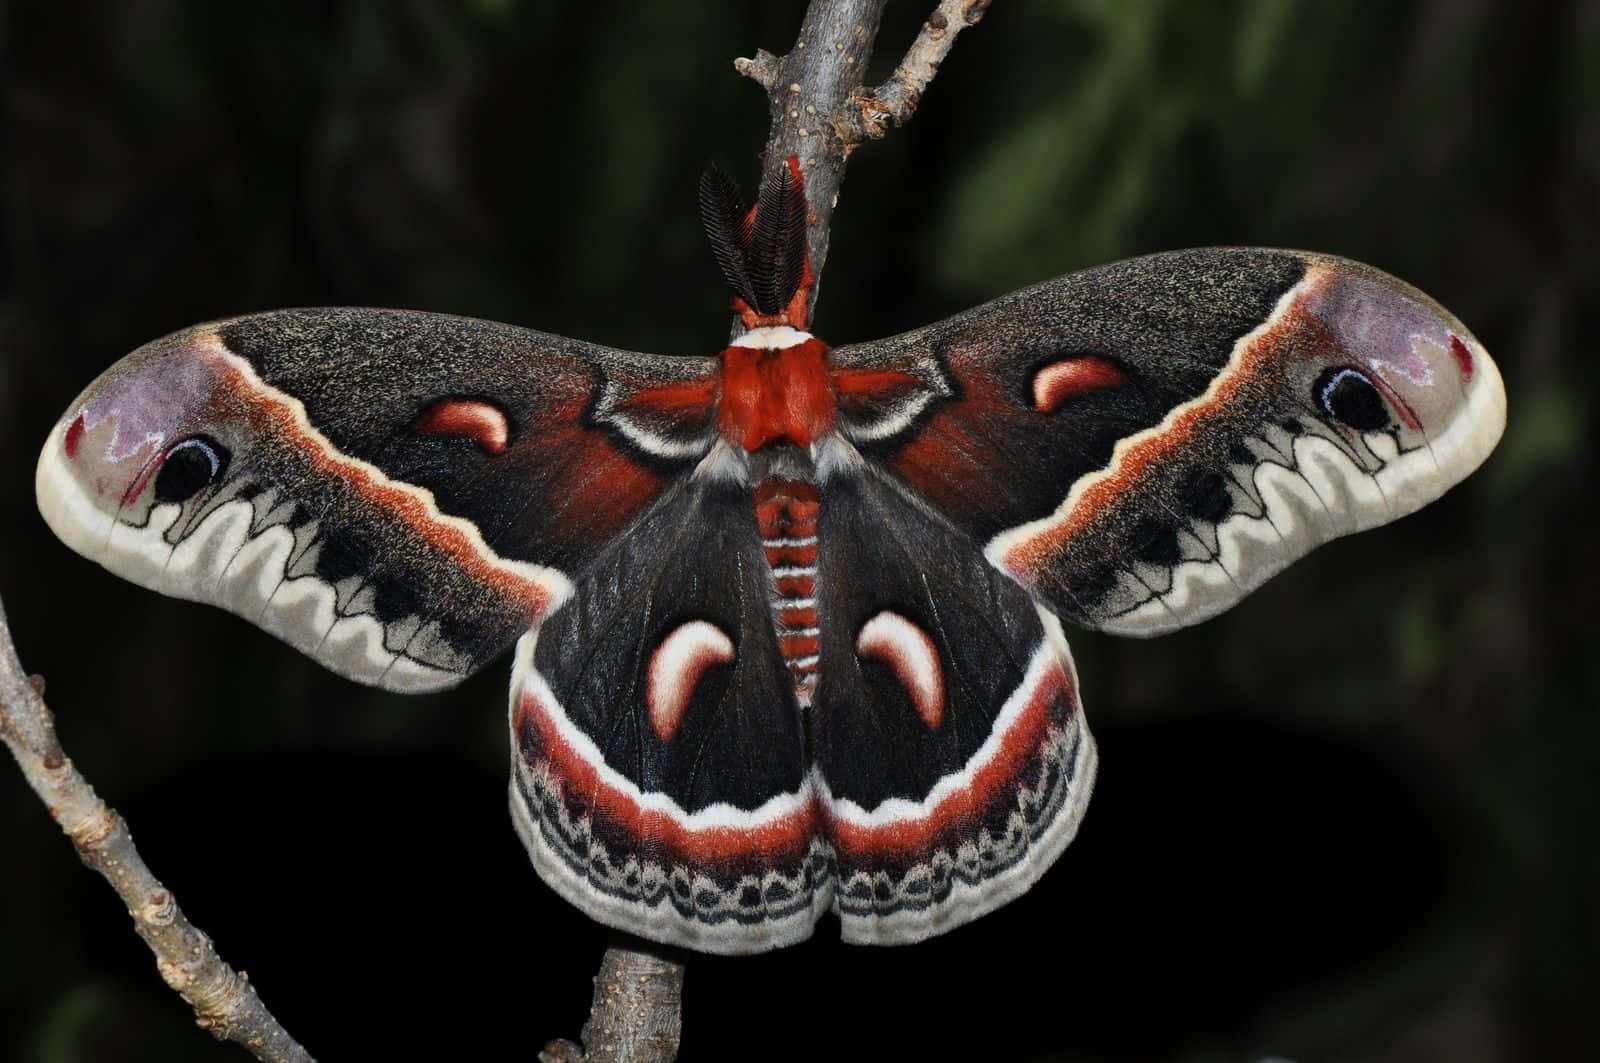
[821, 109]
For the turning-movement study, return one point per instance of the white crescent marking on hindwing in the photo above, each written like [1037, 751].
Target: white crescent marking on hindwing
[910, 652]
[676, 666]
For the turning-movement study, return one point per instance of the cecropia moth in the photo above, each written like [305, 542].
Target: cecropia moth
[788, 618]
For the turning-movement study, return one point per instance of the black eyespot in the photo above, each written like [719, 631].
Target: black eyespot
[1156, 543]
[1349, 397]
[1089, 586]
[345, 554]
[1206, 497]
[190, 465]
[393, 600]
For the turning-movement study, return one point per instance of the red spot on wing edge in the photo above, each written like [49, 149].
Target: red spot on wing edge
[1463, 355]
[73, 436]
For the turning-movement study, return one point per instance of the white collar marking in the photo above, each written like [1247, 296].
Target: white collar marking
[772, 337]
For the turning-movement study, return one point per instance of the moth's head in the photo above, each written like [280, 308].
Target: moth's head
[1388, 361]
[151, 431]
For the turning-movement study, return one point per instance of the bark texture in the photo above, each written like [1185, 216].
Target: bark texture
[637, 1012]
[869, 113]
[808, 92]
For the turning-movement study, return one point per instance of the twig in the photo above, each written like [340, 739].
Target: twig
[821, 111]
[868, 112]
[636, 1015]
[806, 91]
[223, 1000]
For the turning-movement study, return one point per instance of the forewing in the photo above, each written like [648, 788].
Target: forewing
[659, 775]
[398, 494]
[1142, 443]
[953, 756]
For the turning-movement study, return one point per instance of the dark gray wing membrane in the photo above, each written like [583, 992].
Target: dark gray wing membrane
[398, 494]
[1142, 443]
[660, 778]
[954, 760]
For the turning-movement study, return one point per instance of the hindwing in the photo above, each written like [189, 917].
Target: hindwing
[952, 754]
[660, 775]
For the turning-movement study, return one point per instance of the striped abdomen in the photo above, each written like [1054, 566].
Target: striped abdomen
[787, 513]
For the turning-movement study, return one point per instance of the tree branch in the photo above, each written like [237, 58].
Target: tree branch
[806, 91]
[821, 111]
[636, 1015]
[868, 113]
[223, 1000]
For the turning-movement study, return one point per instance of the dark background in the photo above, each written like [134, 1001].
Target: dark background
[1356, 818]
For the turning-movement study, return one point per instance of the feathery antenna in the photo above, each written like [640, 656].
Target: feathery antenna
[762, 252]
[727, 228]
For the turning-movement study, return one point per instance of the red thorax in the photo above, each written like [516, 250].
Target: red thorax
[776, 388]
